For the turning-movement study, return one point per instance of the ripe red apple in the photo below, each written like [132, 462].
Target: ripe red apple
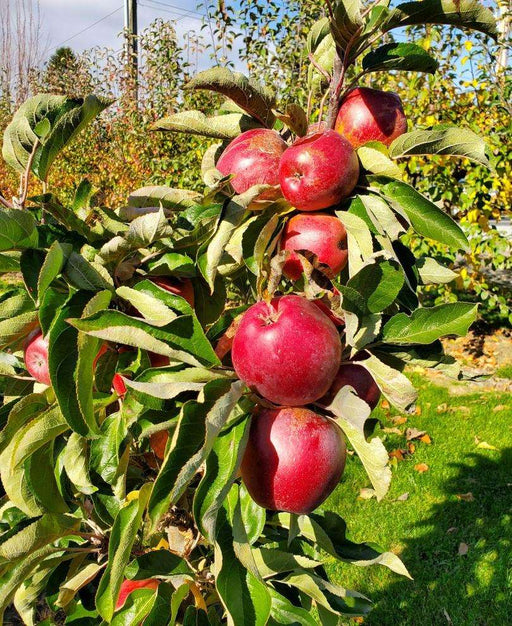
[158, 442]
[323, 235]
[360, 379]
[318, 171]
[36, 358]
[337, 321]
[118, 385]
[127, 586]
[179, 287]
[253, 159]
[288, 350]
[371, 115]
[293, 460]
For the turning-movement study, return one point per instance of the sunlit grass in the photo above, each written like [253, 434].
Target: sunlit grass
[464, 498]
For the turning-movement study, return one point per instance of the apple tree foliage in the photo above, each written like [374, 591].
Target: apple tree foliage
[85, 503]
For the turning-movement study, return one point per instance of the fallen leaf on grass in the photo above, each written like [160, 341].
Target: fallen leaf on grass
[462, 409]
[421, 467]
[367, 493]
[414, 433]
[483, 445]
[452, 529]
[426, 439]
[395, 431]
[467, 497]
[442, 408]
[384, 404]
[399, 419]
[463, 549]
[448, 618]
[417, 410]
[499, 407]
[397, 454]
[411, 448]
[403, 497]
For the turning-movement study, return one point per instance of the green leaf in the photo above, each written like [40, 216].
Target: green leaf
[9, 262]
[383, 218]
[82, 274]
[152, 309]
[72, 585]
[157, 563]
[136, 608]
[198, 426]
[38, 534]
[432, 273]
[285, 613]
[19, 574]
[15, 303]
[359, 240]
[426, 218]
[167, 197]
[295, 118]
[40, 470]
[254, 99]
[17, 230]
[394, 385]
[253, 516]
[335, 599]
[469, 14]
[400, 56]
[54, 262]
[449, 140]
[180, 340]
[374, 158]
[76, 463]
[245, 597]
[428, 324]
[319, 30]
[347, 21]
[272, 561]
[218, 126]
[222, 467]
[232, 217]
[43, 428]
[324, 55]
[173, 263]
[63, 361]
[61, 118]
[373, 454]
[378, 283]
[122, 538]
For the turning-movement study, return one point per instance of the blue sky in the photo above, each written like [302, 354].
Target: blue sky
[64, 19]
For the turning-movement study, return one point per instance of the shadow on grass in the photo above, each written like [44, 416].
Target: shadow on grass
[472, 589]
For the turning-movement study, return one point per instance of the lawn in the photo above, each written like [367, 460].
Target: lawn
[453, 530]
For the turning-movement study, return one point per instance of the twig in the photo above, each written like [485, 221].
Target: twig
[320, 69]
[6, 203]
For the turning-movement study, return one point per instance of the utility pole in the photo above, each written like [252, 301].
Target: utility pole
[132, 54]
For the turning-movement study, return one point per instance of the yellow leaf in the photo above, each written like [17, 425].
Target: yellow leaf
[486, 446]
[421, 467]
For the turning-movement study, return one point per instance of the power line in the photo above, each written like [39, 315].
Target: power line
[173, 6]
[173, 13]
[87, 27]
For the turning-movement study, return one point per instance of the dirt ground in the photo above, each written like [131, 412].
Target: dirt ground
[478, 354]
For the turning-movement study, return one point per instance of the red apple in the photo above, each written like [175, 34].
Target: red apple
[288, 351]
[118, 385]
[36, 358]
[323, 235]
[293, 460]
[337, 321]
[360, 379]
[318, 171]
[127, 586]
[179, 287]
[158, 442]
[371, 115]
[253, 159]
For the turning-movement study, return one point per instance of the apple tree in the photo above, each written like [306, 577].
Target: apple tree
[181, 375]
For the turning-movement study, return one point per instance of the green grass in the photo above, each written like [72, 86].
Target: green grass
[505, 371]
[427, 529]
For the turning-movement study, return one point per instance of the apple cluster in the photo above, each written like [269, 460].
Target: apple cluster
[289, 350]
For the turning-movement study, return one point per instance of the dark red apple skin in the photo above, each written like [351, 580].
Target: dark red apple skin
[179, 287]
[36, 358]
[360, 379]
[253, 159]
[158, 360]
[337, 321]
[371, 115]
[293, 460]
[323, 235]
[318, 171]
[118, 385]
[288, 351]
[127, 586]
